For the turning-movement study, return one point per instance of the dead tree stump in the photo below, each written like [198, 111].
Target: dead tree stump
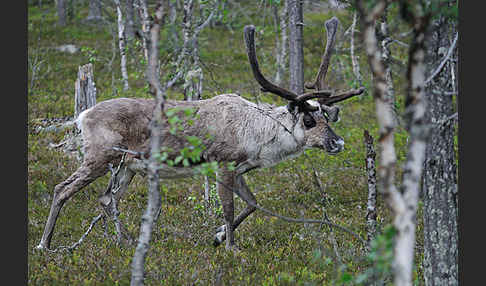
[85, 90]
[84, 98]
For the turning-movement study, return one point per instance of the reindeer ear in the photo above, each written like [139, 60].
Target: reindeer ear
[332, 112]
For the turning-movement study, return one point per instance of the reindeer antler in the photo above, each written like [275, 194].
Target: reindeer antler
[321, 91]
[249, 34]
[331, 30]
[319, 84]
[267, 86]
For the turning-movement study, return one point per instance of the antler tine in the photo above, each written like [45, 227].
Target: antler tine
[341, 96]
[331, 30]
[315, 94]
[249, 33]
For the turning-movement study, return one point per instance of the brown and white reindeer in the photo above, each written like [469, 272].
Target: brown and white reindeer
[240, 131]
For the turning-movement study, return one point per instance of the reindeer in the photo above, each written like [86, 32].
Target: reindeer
[248, 134]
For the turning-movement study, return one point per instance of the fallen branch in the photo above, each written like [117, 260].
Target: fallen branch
[290, 219]
[324, 213]
[270, 213]
[76, 244]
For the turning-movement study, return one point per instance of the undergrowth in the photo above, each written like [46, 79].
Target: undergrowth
[273, 252]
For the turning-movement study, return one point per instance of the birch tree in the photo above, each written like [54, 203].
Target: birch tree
[402, 201]
[122, 44]
[188, 61]
[153, 204]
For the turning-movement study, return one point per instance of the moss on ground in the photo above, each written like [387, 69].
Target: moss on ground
[273, 252]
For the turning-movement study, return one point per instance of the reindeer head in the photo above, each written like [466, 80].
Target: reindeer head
[311, 116]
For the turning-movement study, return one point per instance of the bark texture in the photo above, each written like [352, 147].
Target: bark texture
[94, 13]
[154, 202]
[403, 202]
[354, 57]
[62, 12]
[84, 90]
[130, 19]
[440, 178]
[282, 41]
[296, 49]
[122, 44]
[188, 61]
[371, 174]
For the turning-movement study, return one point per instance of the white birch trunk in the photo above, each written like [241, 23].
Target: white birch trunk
[354, 57]
[403, 204]
[153, 203]
[121, 42]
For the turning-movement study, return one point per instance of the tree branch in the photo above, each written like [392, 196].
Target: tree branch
[76, 244]
[443, 62]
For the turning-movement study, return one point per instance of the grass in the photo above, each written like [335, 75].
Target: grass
[274, 252]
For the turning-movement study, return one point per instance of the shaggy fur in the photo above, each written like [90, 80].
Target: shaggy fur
[232, 129]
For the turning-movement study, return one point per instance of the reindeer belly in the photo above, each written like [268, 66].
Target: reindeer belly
[165, 171]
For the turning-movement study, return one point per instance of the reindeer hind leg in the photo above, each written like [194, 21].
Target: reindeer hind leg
[84, 175]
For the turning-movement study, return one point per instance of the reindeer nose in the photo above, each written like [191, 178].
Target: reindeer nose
[340, 143]
[337, 145]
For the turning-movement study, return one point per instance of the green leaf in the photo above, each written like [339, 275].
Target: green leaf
[194, 140]
[178, 159]
[174, 120]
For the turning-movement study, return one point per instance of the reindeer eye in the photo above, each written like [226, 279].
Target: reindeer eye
[309, 121]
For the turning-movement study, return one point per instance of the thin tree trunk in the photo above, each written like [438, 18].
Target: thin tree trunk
[173, 33]
[188, 60]
[121, 42]
[145, 19]
[386, 172]
[354, 57]
[440, 179]
[129, 20]
[296, 50]
[386, 40]
[154, 202]
[415, 106]
[282, 41]
[186, 53]
[61, 12]
[94, 13]
[403, 203]
[371, 174]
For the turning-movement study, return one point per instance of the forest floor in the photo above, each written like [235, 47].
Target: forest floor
[273, 251]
